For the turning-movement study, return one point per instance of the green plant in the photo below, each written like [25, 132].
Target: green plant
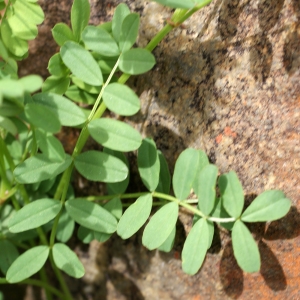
[38, 208]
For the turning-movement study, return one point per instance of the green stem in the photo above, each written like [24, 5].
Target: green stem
[60, 278]
[183, 203]
[44, 278]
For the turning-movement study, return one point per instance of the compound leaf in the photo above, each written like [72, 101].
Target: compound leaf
[81, 63]
[34, 214]
[232, 193]
[160, 226]
[268, 206]
[115, 134]
[100, 166]
[205, 188]
[136, 61]
[135, 216]
[195, 247]
[27, 264]
[148, 164]
[121, 100]
[91, 215]
[66, 260]
[39, 167]
[245, 248]
[185, 172]
[80, 15]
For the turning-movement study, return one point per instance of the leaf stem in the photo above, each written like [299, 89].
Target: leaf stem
[60, 278]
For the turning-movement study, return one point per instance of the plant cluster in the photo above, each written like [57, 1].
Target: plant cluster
[38, 208]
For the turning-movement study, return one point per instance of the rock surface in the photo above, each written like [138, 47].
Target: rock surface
[227, 82]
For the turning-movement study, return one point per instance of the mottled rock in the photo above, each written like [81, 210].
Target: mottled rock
[228, 82]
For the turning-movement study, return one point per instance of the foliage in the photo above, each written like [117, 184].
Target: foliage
[38, 208]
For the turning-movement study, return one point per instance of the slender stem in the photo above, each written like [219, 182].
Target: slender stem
[44, 278]
[60, 278]
[183, 203]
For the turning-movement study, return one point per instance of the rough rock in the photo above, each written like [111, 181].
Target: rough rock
[228, 82]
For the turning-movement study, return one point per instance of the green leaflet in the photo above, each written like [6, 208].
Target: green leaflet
[232, 193]
[15, 45]
[121, 12]
[185, 172]
[62, 33]
[31, 83]
[183, 4]
[129, 31]
[118, 187]
[268, 206]
[27, 264]
[177, 3]
[203, 161]
[114, 206]
[57, 67]
[91, 215]
[164, 183]
[168, 244]
[135, 216]
[81, 63]
[8, 254]
[100, 41]
[136, 61]
[205, 188]
[39, 167]
[78, 95]
[42, 117]
[220, 212]
[245, 248]
[66, 260]
[34, 214]
[115, 135]
[87, 235]
[50, 146]
[68, 113]
[80, 16]
[148, 164]
[195, 247]
[121, 99]
[99, 166]
[11, 88]
[32, 11]
[65, 227]
[57, 85]
[86, 87]
[8, 125]
[160, 226]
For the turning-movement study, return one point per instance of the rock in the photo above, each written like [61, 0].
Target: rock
[227, 82]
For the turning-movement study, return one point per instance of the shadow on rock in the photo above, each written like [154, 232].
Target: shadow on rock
[231, 275]
[271, 269]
